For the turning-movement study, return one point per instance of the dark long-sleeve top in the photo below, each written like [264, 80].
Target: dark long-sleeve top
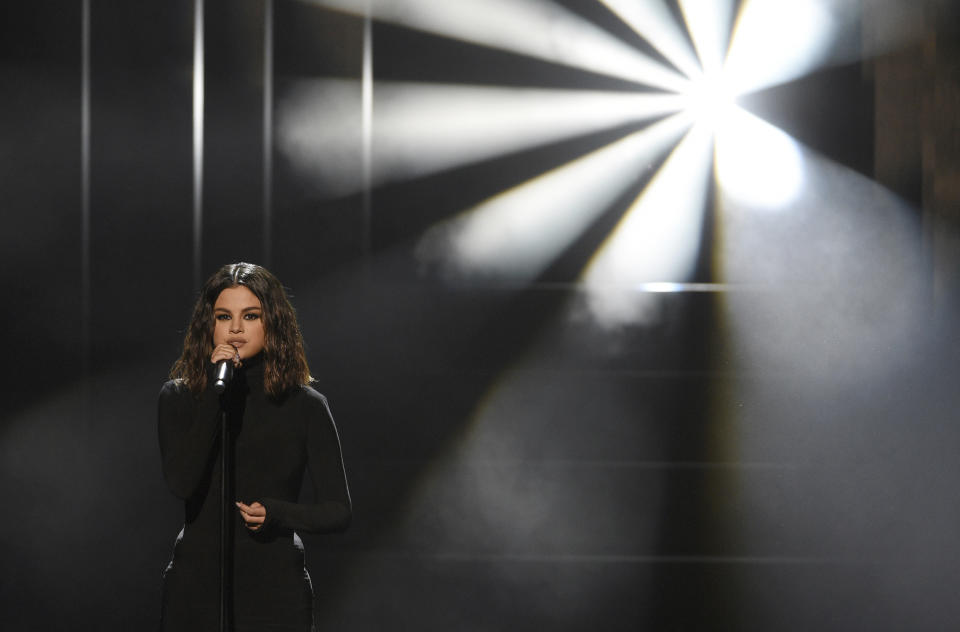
[275, 441]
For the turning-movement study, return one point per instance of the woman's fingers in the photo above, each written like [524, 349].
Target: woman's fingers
[225, 352]
[254, 509]
[254, 515]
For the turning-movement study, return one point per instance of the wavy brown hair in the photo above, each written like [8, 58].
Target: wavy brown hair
[285, 363]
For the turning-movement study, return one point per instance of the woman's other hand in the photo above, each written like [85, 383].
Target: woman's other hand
[253, 515]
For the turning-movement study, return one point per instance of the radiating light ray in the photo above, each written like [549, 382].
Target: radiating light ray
[419, 129]
[658, 238]
[847, 258]
[517, 234]
[775, 41]
[709, 24]
[757, 164]
[536, 28]
[654, 23]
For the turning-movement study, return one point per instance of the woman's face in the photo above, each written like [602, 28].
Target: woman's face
[238, 321]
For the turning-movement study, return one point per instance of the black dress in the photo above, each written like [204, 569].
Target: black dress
[272, 442]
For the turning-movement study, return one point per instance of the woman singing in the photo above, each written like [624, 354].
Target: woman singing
[278, 426]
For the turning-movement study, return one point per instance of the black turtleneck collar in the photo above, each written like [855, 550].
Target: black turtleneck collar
[253, 365]
[252, 370]
[249, 376]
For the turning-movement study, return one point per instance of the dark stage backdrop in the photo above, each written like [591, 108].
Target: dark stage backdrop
[771, 447]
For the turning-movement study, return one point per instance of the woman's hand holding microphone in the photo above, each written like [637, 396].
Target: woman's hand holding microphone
[226, 352]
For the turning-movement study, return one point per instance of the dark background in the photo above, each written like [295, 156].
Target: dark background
[511, 466]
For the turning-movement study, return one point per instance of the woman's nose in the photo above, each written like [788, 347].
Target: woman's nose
[236, 326]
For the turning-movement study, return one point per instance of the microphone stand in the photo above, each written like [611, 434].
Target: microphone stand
[225, 583]
[225, 372]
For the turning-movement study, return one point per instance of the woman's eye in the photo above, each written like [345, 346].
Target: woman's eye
[223, 316]
[251, 316]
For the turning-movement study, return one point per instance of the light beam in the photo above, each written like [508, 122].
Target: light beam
[419, 129]
[658, 238]
[654, 23]
[775, 41]
[529, 27]
[709, 24]
[515, 235]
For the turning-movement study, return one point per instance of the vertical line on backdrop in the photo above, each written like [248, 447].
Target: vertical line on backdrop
[197, 140]
[267, 132]
[86, 301]
[367, 129]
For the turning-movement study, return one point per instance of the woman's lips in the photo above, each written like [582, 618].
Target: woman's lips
[236, 343]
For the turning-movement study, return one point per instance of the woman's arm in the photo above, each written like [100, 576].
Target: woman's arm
[331, 510]
[188, 431]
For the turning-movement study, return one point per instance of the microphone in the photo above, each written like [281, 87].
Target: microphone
[224, 373]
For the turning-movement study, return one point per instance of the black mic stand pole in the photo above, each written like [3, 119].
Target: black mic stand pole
[225, 583]
[223, 376]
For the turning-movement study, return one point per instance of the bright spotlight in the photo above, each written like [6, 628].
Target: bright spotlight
[710, 99]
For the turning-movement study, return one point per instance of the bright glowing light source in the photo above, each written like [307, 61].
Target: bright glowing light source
[537, 28]
[516, 234]
[709, 99]
[710, 95]
[776, 41]
[658, 238]
[423, 128]
[757, 164]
